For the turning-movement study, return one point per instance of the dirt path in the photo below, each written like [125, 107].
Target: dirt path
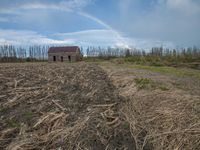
[60, 106]
[162, 110]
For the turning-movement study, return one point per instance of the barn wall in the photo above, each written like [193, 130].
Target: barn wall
[74, 56]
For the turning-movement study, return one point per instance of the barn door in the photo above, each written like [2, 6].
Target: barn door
[54, 58]
[69, 58]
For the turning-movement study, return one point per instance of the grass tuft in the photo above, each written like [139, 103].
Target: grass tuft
[171, 70]
[144, 83]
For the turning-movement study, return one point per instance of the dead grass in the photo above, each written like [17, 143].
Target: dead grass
[80, 106]
[60, 106]
[164, 123]
[159, 117]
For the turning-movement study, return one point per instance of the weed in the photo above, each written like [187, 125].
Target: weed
[12, 123]
[126, 125]
[3, 110]
[172, 71]
[163, 88]
[28, 115]
[144, 83]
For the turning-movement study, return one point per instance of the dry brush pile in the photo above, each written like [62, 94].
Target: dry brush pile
[60, 106]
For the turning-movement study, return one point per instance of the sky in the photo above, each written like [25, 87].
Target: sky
[116, 23]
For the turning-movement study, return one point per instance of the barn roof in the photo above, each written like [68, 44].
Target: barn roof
[63, 49]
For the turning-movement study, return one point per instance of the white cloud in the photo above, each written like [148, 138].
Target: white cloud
[75, 6]
[108, 38]
[147, 44]
[61, 5]
[82, 38]
[3, 19]
[167, 20]
[186, 6]
[115, 33]
[162, 23]
[19, 37]
[96, 38]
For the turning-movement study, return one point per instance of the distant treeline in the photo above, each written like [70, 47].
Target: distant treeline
[190, 54]
[157, 56]
[10, 53]
[155, 51]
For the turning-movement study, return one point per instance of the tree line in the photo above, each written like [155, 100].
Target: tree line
[155, 51]
[10, 53]
[157, 56]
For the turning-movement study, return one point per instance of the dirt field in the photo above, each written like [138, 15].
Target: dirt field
[96, 106]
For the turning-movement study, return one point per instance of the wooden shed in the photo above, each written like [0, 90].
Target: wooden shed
[64, 54]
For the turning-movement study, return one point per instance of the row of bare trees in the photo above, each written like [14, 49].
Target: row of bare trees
[10, 53]
[157, 55]
[155, 51]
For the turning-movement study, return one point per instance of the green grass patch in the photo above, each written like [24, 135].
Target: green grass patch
[144, 83]
[28, 115]
[3, 110]
[171, 70]
[163, 88]
[12, 123]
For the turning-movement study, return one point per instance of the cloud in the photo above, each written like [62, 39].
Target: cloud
[185, 6]
[24, 37]
[107, 38]
[165, 20]
[70, 5]
[115, 33]
[65, 5]
[74, 6]
[127, 22]
[103, 38]
[3, 19]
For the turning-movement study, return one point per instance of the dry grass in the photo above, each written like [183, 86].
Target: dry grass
[60, 106]
[164, 123]
[80, 106]
[159, 119]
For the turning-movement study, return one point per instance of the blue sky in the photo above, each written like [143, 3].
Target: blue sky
[116, 23]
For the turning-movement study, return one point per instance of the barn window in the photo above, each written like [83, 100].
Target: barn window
[61, 58]
[54, 58]
[69, 58]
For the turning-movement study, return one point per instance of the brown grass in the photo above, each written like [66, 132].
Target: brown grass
[171, 123]
[60, 106]
[159, 119]
[80, 106]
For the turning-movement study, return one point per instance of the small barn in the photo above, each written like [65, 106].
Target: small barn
[64, 54]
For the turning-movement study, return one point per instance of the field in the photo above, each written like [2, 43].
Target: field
[102, 105]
